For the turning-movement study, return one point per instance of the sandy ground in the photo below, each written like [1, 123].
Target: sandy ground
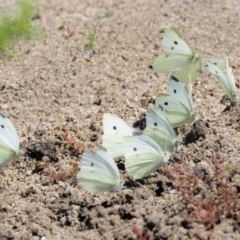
[56, 90]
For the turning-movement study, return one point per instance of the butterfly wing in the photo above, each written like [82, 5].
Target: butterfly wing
[176, 89]
[99, 172]
[173, 42]
[7, 155]
[171, 62]
[143, 156]
[8, 134]
[158, 119]
[208, 61]
[182, 56]
[232, 86]
[178, 114]
[161, 138]
[115, 130]
[9, 141]
[160, 130]
[226, 81]
[190, 72]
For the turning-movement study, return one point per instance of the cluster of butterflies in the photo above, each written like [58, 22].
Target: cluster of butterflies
[186, 65]
[146, 151]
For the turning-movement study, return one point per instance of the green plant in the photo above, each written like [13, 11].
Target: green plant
[107, 13]
[92, 36]
[17, 25]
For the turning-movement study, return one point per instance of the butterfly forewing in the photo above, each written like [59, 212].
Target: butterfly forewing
[9, 142]
[160, 130]
[99, 172]
[177, 113]
[226, 81]
[208, 61]
[176, 89]
[114, 130]
[172, 42]
[8, 134]
[158, 119]
[143, 156]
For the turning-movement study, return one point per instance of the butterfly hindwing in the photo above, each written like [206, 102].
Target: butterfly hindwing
[171, 62]
[190, 72]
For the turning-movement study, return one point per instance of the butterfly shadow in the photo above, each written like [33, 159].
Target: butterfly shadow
[129, 182]
[140, 124]
[226, 100]
[198, 132]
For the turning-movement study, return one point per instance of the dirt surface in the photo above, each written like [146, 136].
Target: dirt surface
[56, 90]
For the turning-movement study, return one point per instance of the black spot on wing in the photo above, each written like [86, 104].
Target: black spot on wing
[172, 48]
[114, 128]
[2, 126]
[134, 149]
[92, 164]
[155, 124]
[175, 91]
[174, 78]
[2, 115]
[166, 103]
[175, 42]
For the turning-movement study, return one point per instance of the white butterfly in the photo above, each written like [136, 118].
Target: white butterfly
[183, 60]
[9, 142]
[115, 132]
[143, 156]
[160, 130]
[176, 103]
[99, 172]
[227, 81]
